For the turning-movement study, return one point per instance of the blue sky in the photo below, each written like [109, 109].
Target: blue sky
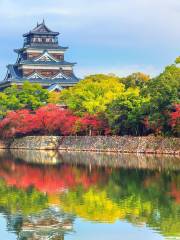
[117, 36]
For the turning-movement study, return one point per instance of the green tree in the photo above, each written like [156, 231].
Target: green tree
[30, 96]
[125, 114]
[92, 94]
[135, 80]
[164, 92]
[54, 97]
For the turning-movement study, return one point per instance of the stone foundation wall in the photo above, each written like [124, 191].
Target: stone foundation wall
[126, 144]
[36, 143]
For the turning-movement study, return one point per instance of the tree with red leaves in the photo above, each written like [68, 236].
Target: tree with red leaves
[50, 119]
[175, 120]
[93, 125]
[18, 122]
[53, 119]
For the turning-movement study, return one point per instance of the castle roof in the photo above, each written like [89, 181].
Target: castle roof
[42, 63]
[14, 76]
[41, 47]
[41, 29]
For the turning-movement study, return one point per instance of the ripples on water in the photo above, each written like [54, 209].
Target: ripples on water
[51, 195]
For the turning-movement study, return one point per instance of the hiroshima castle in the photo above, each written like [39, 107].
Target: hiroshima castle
[41, 60]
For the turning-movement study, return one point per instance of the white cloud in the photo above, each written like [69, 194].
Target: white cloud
[143, 20]
[145, 25]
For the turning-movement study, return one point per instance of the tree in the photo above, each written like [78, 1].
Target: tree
[9, 100]
[50, 119]
[135, 80]
[31, 96]
[53, 119]
[164, 92]
[125, 114]
[18, 122]
[93, 125]
[54, 97]
[175, 120]
[93, 94]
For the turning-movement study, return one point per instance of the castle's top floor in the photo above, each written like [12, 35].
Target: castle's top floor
[41, 36]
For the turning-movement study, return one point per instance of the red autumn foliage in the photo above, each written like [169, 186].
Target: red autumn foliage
[175, 119]
[53, 119]
[50, 119]
[21, 121]
[92, 125]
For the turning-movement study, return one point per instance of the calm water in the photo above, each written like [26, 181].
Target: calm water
[47, 195]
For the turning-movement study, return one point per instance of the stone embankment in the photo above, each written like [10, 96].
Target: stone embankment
[126, 144]
[37, 143]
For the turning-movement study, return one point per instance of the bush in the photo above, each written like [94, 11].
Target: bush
[50, 119]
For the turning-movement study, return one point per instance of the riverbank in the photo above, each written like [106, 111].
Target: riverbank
[126, 144]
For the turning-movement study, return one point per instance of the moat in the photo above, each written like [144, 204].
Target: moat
[69, 195]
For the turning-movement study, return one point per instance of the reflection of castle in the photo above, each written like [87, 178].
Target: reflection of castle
[50, 224]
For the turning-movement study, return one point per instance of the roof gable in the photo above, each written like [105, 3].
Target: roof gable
[45, 57]
[35, 75]
[55, 87]
[41, 28]
[60, 75]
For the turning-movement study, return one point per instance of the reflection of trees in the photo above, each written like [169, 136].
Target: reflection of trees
[29, 195]
[141, 197]
[41, 201]
[30, 215]
[92, 205]
[50, 179]
[154, 190]
[96, 205]
[17, 200]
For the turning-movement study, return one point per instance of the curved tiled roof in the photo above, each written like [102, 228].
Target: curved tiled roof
[15, 77]
[45, 47]
[13, 71]
[32, 62]
[41, 29]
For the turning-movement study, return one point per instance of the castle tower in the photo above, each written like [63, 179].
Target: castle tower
[41, 60]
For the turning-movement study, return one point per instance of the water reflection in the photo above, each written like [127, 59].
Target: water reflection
[99, 159]
[43, 201]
